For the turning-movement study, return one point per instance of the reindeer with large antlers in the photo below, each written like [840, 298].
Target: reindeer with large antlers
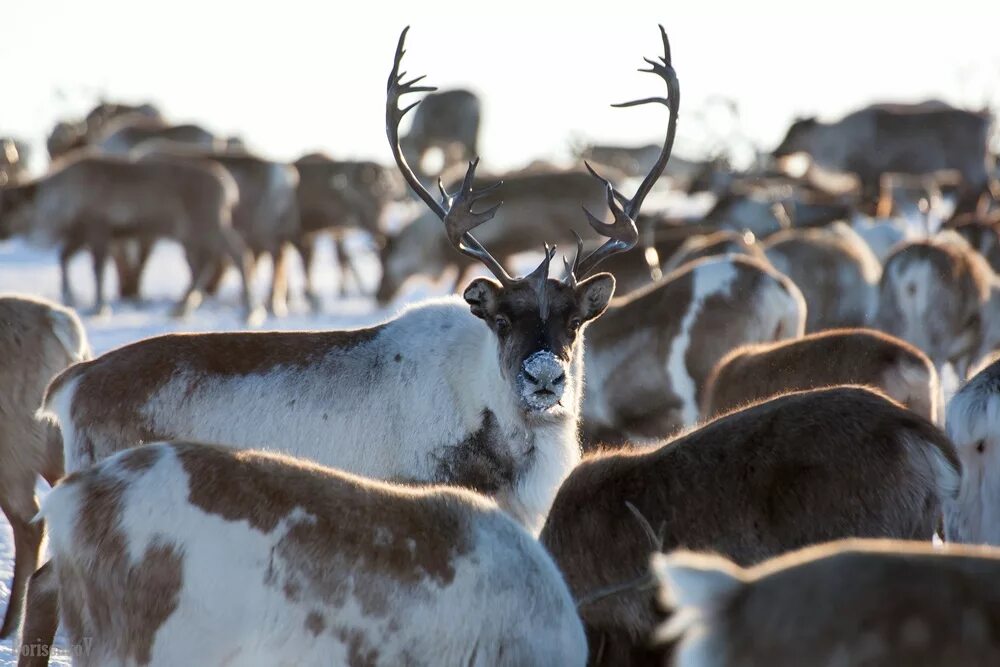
[489, 401]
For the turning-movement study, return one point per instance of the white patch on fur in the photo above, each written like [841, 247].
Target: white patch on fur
[707, 280]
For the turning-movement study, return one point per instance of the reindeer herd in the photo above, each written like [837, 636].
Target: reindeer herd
[739, 460]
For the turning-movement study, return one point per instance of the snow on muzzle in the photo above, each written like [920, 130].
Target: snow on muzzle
[542, 380]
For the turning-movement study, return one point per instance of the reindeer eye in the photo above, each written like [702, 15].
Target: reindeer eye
[575, 323]
[502, 324]
[981, 446]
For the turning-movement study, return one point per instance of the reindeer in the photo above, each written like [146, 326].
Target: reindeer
[884, 602]
[201, 555]
[37, 340]
[917, 139]
[448, 121]
[932, 295]
[92, 200]
[265, 215]
[124, 135]
[484, 394]
[649, 355]
[836, 271]
[752, 373]
[336, 196]
[971, 422]
[800, 469]
[72, 135]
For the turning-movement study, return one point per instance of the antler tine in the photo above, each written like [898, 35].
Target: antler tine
[460, 220]
[395, 89]
[538, 278]
[622, 233]
[665, 70]
[570, 278]
[454, 210]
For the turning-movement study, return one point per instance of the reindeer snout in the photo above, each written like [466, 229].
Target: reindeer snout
[542, 380]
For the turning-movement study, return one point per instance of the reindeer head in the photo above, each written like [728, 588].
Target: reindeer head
[536, 320]
[798, 139]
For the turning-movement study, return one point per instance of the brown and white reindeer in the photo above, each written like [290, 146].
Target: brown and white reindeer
[650, 354]
[800, 469]
[932, 294]
[753, 373]
[191, 554]
[836, 270]
[487, 399]
[90, 201]
[38, 339]
[850, 602]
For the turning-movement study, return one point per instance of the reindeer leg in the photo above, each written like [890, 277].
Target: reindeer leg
[244, 261]
[279, 282]
[201, 271]
[304, 246]
[42, 618]
[99, 251]
[27, 545]
[71, 248]
[347, 268]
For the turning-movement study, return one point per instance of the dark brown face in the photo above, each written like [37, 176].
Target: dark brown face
[537, 336]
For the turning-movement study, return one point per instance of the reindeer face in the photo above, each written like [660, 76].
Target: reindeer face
[537, 334]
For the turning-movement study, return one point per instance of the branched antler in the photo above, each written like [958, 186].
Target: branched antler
[622, 232]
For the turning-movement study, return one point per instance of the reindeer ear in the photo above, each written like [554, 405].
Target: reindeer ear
[594, 294]
[482, 295]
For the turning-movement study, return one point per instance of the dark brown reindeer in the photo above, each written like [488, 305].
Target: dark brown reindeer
[800, 469]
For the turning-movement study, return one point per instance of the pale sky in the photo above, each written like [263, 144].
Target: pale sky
[294, 76]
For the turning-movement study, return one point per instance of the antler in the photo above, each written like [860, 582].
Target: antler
[455, 210]
[622, 233]
[640, 583]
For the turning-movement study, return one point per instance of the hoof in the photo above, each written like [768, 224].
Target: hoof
[279, 309]
[100, 312]
[256, 317]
